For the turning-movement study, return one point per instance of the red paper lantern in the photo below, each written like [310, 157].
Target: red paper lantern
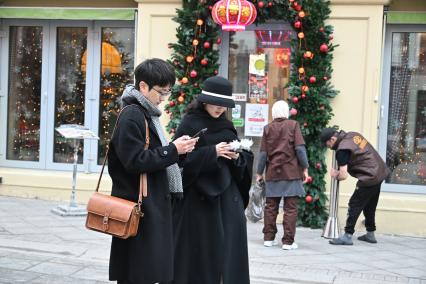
[234, 15]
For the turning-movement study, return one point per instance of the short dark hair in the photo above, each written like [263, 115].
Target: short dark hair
[155, 72]
[326, 134]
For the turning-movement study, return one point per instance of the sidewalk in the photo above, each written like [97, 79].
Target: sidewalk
[39, 247]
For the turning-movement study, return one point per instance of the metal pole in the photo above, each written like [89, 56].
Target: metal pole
[74, 174]
[331, 228]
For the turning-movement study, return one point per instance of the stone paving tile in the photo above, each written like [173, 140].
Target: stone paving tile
[17, 263]
[49, 279]
[15, 276]
[55, 268]
[92, 274]
[410, 272]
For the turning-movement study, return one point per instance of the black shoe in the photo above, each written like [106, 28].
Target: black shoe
[366, 238]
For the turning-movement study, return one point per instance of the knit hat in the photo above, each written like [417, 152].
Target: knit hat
[217, 91]
[326, 134]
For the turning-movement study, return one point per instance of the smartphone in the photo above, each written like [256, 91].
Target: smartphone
[199, 133]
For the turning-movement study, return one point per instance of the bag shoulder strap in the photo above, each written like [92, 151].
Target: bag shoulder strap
[143, 189]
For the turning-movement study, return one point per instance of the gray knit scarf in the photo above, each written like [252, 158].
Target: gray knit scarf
[173, 171]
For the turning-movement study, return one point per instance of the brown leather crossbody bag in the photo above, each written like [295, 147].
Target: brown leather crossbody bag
[112, 215]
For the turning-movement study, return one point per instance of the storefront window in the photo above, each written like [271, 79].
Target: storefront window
[259, 66]
[69, 88]
[406, 137]
[23, 123]
[117, 54]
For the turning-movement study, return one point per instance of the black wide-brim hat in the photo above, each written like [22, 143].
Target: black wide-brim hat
[217, 91]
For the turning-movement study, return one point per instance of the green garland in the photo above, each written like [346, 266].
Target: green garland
[309, 88]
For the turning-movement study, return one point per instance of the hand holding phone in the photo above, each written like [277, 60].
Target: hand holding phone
[199, 133]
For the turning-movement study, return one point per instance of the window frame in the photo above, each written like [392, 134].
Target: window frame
[47, 107]
[384, 104]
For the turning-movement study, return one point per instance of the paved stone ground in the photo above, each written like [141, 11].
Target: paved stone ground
[39, 247]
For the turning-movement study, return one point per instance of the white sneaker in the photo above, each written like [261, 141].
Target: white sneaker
[290, 247]
[270, 243]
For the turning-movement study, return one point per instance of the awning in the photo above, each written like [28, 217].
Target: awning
[67, 13]
[394, 17]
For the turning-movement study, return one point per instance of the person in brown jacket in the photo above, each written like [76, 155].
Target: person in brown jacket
[283, 152]
[355, 156]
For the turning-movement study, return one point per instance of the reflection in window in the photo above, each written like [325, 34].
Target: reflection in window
[259, 69]
[406, 140]
[116, 72]
[70, 84]
[23, 124]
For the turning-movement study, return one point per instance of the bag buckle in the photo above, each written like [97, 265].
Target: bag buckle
[105, 223]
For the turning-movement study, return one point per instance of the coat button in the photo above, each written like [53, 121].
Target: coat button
[165, 152]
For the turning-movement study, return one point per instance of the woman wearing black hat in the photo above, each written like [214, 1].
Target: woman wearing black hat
[210, 225]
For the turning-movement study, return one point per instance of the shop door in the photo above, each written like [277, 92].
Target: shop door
[402, 140]
[257, 62]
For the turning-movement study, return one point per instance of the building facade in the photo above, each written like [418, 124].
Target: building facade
[67, 62]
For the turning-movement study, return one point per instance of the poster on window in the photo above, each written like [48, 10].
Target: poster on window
[256, 118]
[257, 64]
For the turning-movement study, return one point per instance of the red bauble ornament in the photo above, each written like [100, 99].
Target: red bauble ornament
[270, 4]
[293, 112]
[312, 79]
[291, 1]
[295, 100]
[309, 179]
[324, 48]
[219, 41]
[297, 7]
[318, 165]
[325, 78]
[303, 96]
[210, 7]
[171, 103]
[305, 124]
[216, 72]
[297, 24]
[207, 45]
[321, 29]
[204, 62]
[193, 74]
[321, 107]
[260, 4]
[308, 198]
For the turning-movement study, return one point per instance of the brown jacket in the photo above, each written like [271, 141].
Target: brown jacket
[365, 163]
[280, 137]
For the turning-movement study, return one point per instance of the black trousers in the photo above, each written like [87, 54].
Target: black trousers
[365, 200]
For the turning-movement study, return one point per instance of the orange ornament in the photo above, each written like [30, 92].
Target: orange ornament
[200, 22]
[189, 58]
[305, 88]
[301, 14]
[195, 42]
[181, 99]
[308, 54]
[184, 80]
[300, 35]
[301, 70]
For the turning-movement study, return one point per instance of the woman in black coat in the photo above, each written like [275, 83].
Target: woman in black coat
[146, 258]
[210, 225]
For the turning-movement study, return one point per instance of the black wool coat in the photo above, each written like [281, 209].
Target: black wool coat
[209, 223]
[147, 257]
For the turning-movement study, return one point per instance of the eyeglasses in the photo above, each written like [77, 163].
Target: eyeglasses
[163, 94]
